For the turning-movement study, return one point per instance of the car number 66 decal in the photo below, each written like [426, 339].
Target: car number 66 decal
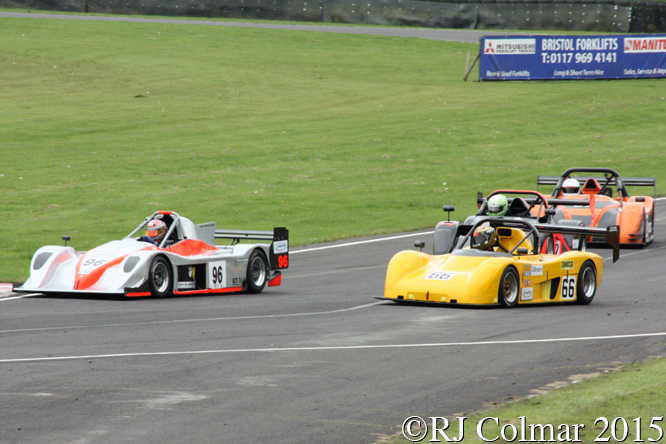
[440, 275]
[217, 274]
[568, 288]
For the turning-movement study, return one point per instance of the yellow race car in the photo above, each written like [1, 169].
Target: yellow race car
[496, 261]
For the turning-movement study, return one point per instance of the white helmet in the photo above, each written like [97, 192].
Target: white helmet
[570, 186]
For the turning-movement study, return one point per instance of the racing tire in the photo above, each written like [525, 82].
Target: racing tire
[582, 243]
[160, 277]
[257, 272]
[586, 287]
[509, 288]
[648, 238]
[549, 247]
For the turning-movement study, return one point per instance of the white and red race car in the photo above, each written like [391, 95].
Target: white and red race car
[187, 261]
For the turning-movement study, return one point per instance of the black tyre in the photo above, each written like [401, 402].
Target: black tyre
[582, 243]
[509, 288]
[159, 277]
[648, 229]
[586, 286]
[257, 272]
[550, 244]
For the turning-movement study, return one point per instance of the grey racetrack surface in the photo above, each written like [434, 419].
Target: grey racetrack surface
[315, 360]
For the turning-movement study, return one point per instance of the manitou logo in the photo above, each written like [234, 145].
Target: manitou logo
[645, 44]
[509, 46]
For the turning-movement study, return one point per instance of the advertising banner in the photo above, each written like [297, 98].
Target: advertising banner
[558, 57]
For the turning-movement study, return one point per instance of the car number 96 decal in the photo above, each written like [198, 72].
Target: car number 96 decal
[217, 274]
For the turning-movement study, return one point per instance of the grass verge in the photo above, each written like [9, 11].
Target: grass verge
[625, 405]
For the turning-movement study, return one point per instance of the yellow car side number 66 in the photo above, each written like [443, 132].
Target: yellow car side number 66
[568, 288]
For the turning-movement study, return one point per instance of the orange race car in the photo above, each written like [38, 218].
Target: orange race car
[587, 195]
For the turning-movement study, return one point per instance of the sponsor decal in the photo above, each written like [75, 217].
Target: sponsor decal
[536, 270]
[280, 247]
[528, 282]
[187, 285]
[440, 275]
[509, 46]
[644, 44]
[567, 265]
[526, 294]
[528, 271]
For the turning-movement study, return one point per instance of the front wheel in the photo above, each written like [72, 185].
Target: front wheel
[509, 288]
[159, 277]
[587, 283]
[257, 272]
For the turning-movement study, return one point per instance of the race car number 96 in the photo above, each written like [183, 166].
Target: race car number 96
[217, 274]
[283, 261]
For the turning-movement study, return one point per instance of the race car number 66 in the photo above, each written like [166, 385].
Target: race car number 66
[440, 275]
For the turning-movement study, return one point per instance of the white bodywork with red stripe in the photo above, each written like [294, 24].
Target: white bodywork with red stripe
[123, 266]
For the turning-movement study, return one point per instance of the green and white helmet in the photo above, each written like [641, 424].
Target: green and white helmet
[498, 205]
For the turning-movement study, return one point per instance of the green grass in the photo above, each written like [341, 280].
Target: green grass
[635, 391]
[331, 135]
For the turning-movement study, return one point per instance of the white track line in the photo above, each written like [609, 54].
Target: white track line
[18, 297]
[332, 348]
[177, 321]
[349, 244]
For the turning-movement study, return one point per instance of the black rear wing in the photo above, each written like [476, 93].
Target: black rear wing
[279, 251]
[627, 181]
[611, 234]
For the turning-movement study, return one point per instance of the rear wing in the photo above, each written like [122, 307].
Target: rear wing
[611, 234]
[278, 256]
[627, 181]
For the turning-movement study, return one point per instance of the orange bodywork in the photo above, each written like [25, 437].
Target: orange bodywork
[598, 211]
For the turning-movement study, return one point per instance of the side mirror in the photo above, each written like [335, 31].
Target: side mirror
[419, 244]
[522, 251]
[479, 199]
[66, 238]
[448, 209]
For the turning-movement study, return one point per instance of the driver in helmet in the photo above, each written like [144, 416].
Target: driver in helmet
[155, 232]
[498, 205]
[570, 187]
[484, 238]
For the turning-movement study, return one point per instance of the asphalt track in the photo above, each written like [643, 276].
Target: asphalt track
[317, 360]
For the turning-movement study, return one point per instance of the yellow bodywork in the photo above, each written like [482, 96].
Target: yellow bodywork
[470, 276]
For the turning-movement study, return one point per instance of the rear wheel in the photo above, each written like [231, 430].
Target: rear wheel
[509, 288]
[159, 277]
[257, 272]
[648, 228]
[587, 283]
